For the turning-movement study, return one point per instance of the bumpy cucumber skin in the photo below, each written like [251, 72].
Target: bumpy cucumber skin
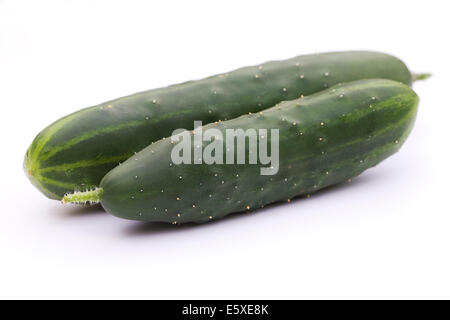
[325, 139]
[75, 152]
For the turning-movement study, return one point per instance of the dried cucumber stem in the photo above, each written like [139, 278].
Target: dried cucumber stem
[421, 76]
[84, 197]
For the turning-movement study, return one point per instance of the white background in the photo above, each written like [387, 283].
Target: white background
[386, 235]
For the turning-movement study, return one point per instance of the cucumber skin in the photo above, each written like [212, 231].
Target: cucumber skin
[357, 133]
[75, 152]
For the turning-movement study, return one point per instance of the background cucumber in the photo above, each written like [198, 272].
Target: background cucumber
[324, 139]
[75, 152]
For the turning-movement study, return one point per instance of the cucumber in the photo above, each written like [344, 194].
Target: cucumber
[326, 138]
[75, 152]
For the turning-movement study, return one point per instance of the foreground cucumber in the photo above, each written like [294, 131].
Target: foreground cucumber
[324, 139]
[75, 152]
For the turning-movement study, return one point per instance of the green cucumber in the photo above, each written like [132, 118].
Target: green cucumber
[75, 152]
[324, 139]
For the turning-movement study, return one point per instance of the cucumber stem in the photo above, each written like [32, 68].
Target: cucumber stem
[84, 197]
[420, 76]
